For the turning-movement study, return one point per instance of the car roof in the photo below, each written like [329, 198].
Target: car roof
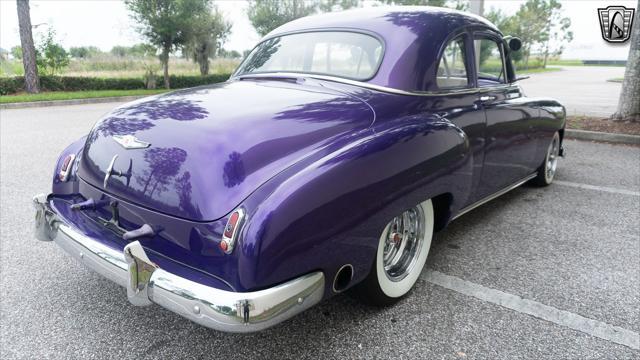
[412, 36]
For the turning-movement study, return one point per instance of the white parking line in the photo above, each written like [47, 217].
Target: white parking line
[597, 188]
[588, 326]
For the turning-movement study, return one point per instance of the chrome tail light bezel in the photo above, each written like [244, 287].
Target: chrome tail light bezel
[231, 231]
[66, 167]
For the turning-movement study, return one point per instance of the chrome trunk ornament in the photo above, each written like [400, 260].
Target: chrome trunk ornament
[110, 171]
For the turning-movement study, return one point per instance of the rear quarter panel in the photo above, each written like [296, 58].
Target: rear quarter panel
[551, 119]
[330, 209]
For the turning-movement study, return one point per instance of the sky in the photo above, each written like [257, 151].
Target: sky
[106, 23]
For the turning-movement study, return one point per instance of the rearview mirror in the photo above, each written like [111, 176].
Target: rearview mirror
[514, 43]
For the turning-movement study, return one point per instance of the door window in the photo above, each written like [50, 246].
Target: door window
[452, 68]
[489, 62]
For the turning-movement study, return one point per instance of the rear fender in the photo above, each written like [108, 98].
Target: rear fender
[330, 210]
[71, 185]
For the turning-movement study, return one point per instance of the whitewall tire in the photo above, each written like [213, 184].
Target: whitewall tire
[547, 170]
[403, 248]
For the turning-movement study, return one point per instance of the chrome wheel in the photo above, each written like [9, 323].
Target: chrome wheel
[552, 158]
[403, 248]
[404, 240]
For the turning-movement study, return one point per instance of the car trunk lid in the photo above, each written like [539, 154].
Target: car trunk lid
[196, 154]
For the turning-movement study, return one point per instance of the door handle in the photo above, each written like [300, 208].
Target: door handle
[486, 98]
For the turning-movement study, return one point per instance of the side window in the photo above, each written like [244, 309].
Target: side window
[489, 62]
[452, 68]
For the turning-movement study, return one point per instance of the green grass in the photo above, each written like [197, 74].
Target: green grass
[71, 95]
[565, 62]
[537, 70]
[574, 62]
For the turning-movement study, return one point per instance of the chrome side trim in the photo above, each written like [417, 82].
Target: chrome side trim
[371, 86]
[146, 283]
[493, 196]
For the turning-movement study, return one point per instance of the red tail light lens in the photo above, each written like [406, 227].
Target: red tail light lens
[65, 169]
[231, 231]
[231, 224]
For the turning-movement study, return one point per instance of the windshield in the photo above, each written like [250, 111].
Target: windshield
[338, 53]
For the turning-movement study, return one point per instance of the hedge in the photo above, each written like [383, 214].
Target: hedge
[12, 85]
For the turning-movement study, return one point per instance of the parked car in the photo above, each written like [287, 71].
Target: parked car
[325, 163]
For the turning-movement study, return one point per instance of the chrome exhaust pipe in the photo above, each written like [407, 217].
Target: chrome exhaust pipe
[343, 278]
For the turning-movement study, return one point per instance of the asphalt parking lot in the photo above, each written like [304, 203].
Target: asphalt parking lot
[583, 90]
[537, 273]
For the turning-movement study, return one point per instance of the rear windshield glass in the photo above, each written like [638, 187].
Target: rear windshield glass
[345, 54]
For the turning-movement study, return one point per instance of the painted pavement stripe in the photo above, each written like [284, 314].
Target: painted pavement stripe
[573, 321]
[597, 188]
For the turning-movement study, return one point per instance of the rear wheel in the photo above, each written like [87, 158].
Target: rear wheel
[402, 252]
[547, 170]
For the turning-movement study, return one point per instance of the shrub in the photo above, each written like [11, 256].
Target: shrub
[179, 82]
[12, 85]
[51, 57]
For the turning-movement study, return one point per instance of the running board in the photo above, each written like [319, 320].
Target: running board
[493, 196]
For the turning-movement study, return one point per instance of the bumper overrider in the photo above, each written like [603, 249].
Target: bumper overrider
[146, 283]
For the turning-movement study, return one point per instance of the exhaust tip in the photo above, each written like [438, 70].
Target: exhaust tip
[343, 278]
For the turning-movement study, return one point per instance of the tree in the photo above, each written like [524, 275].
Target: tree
[235, 54]
[508, 26]
[337, 5]
[539, 21]
[83, 52]
[119, 51]
[31, 80]
[441, 3]
[629, 103]
[556, 32]
[137, 50]
[51, 57]
[16, 52]
[229, 54]
[209, 32]
[142, 50]
[166, 24]
[266, 15]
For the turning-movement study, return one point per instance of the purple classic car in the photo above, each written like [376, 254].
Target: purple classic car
[325, 163]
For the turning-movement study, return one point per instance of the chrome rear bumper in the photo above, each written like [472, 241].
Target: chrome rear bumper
[146, 283]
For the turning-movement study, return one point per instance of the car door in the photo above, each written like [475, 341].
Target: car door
[458, 103]
[510, 146]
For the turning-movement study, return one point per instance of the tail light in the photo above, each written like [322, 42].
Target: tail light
[232, 231]
[65, 169]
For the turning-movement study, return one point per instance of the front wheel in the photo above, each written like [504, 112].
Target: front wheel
[547, 170]
[402, 252]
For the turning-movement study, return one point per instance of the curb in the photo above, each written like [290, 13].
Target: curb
[37, 104]
[602, 136]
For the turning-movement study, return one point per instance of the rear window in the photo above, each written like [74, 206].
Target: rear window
[337, 53]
